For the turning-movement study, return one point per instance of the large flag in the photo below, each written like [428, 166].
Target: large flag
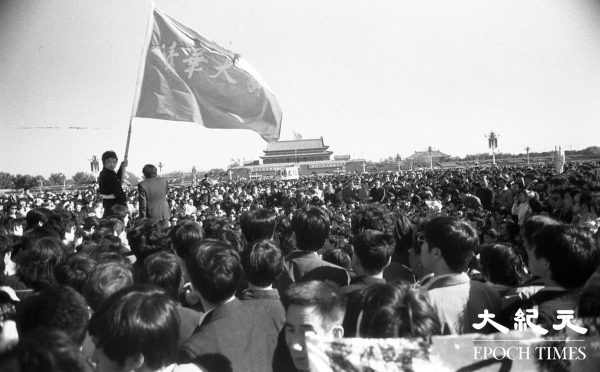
[189, 78]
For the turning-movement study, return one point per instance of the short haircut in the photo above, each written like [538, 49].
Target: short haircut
[311, 226]
[137, 320]
[74, 271]
[571, 252]
[337, 256]
[109, 155]
[145, 238]
[105, 279]
[38, 262]
[149, 171]
[456, 239]
[119, 211]
[258, 224]
[215, 269]
[501, 264]
[329, 303]
[534, 224]
[187, 235]
[404, 233]
[374, 250]
[391, 311]
[263, 262]
[372, 216]
[60, 307]
[164, 270]
[45, 349]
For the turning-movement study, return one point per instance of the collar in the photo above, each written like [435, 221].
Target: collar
[446, 280]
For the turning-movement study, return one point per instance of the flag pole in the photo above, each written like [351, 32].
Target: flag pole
[138, 84]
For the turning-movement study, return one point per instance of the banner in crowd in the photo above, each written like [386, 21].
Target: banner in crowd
[513, 351]
[189, 78]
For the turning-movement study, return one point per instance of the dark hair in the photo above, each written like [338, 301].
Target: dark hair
[60, 307]
[35, 218]
[500, 264]
[37, 263]
[187, 235]
[45, 349]
[109, 155]
[371, 216]
[571, 252]
[164, 270]
[149, 171]
[263, 262]
[74, 271]
[534, 224]
[215, 269]
[455, 238]
[258, 224]
[284, 235]
[405, 236]
[329, 303]
[337, 256]
[137, 320]
[391, 311]
[373, 249]
[105, 279]
[119, 211]
[145, 238]
[311, 227]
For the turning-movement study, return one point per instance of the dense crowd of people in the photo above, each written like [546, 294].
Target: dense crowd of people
[232, 275]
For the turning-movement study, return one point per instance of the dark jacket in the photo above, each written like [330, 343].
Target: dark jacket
[306, 265]
[152, 196]
[109, 182]
[235, 336]
[269, 301]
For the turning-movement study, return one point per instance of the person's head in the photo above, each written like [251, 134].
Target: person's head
[38, 262]
[262, 262]
[105, 279]
[311, 227]
[164, 270]
[258, 224]
[338, 256]
[500, 264]
[6, 249]
[109, 160]
[74, 271]
[373, 251]
[59, 307]
[563, 254]
[449, 245]
[136, 328]
[404, 233]
[186, 237]
[313, 307]
[371, 216]
[145, 238]
[534, 224]
[45, 349]
[391, 311]
[149, 171]
[215, 269]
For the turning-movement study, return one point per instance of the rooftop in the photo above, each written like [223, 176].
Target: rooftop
[304, 144]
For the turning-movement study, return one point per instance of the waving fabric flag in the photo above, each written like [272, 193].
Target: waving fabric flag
[189, 78]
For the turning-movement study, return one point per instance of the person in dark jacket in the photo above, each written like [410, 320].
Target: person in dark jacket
[109, 182]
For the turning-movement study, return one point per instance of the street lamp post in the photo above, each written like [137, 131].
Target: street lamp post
[95, 166]
[527, 149]
[430, 158]
[160, 167]
[493, 144]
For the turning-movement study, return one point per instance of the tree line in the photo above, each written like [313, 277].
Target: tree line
[22, 181]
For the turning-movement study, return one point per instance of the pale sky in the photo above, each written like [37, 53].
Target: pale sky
[374, 78]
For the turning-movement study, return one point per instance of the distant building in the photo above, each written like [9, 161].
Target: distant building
[424, 159]
[296, 151]
[308, 156]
